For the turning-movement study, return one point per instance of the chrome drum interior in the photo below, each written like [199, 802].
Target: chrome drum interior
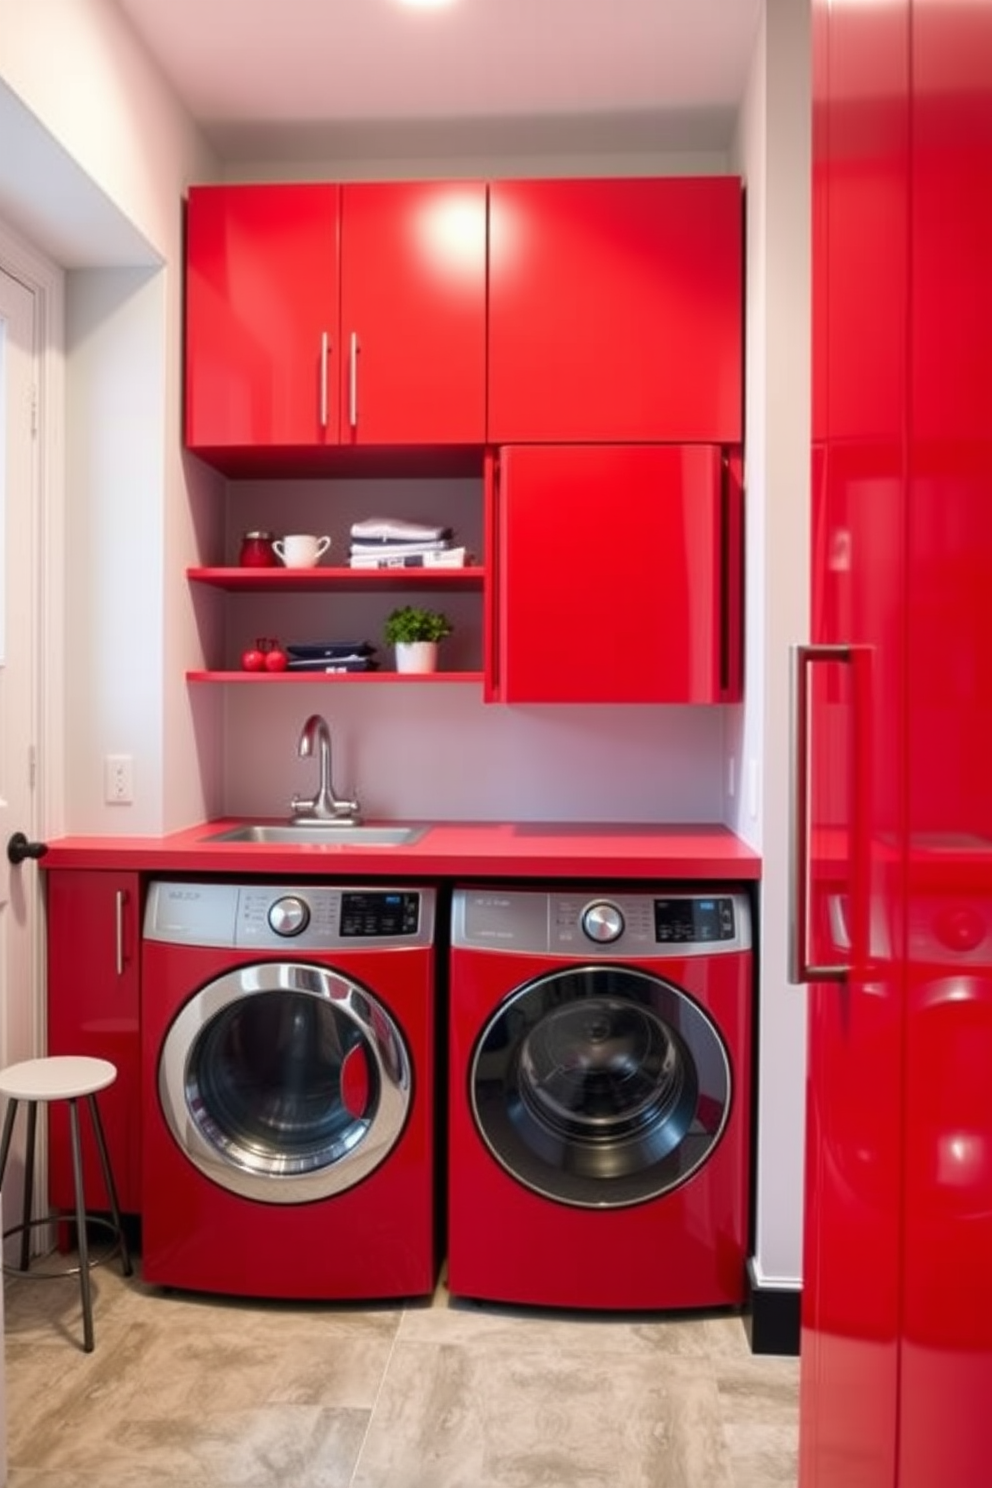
[285, 1082]
[600, 1087]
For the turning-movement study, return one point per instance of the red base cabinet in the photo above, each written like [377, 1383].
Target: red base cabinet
[321, 316]
[616, 575]
[615, 310]
[93, 1010]
[896, 1379]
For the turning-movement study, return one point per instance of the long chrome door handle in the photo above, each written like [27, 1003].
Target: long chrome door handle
[325, 347]
[802, 658]
[119, 900]
[353, 381]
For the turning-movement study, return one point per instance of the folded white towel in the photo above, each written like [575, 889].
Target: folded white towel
[396, 529]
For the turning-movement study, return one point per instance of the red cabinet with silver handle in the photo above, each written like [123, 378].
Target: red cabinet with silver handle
[320, 316]
[93, 1010]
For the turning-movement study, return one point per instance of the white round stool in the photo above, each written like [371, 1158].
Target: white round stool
[64, 1077]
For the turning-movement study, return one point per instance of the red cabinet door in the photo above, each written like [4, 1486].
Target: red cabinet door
[93, 1010]
[611, 574]
[262, 313]
[615, 310]
[413, 316]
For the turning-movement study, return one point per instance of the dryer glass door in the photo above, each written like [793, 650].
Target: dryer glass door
[600, 1087]
[285, 1082]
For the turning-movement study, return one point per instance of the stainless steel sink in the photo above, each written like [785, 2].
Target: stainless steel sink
[320, 834]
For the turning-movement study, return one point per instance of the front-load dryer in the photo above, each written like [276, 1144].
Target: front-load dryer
[600, 1092]
[288, 1068]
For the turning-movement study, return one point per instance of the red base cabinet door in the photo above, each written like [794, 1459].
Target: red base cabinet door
[615, 310]
[93, 1010]
[613, 575]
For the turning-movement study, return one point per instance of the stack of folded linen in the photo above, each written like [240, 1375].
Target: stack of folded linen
[393, 542]
[332, 656]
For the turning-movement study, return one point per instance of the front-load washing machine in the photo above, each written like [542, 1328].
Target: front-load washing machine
[600, 1091]
[288, 1041]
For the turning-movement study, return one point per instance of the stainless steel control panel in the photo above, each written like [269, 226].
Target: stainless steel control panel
[601, 925]
[258, 916]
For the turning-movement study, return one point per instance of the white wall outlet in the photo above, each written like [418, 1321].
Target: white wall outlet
[118, 780]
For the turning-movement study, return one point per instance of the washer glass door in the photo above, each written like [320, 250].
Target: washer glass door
[285, 1082]
[600, 1087]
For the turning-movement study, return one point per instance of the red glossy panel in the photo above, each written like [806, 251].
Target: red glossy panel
[413, 290]
[93, 1009]
[851, 1285]
[615, 310]
[946, 1424]
[555, 1255]
[620, 549]
[261, 291]
[374, 1240]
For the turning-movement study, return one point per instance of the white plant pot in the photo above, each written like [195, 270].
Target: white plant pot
[416, 656]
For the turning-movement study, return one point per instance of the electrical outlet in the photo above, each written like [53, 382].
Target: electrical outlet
[118, 780]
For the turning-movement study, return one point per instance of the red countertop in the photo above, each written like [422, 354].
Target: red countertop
[552, 850]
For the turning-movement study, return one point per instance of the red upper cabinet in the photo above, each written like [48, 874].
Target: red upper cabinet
[616, 575]
[615, 310]
[321, 316]
[262, 317]
[413, 313]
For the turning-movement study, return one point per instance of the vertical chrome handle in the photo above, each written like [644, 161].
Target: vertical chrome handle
[325, 346]
[353, 381]
[802, 659]
[119, 899]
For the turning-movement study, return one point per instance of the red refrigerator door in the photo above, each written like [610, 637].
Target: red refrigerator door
[612, 568]
[946, 1365]
[850, 1304]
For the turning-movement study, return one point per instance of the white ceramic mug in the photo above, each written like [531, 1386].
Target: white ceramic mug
[301, 549]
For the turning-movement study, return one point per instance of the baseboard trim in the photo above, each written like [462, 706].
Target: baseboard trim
[772, 1318]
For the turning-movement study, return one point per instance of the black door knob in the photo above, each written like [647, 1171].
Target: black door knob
[19, 848]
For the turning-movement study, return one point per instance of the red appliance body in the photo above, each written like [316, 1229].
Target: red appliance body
[896, 1376]
[579, 1223]
[218, 1215]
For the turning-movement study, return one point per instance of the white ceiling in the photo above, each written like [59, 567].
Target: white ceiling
[301, 79]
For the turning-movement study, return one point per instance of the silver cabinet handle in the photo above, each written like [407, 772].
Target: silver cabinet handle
[353, 381]
[802, 659]
[325, 346]
[119, 902]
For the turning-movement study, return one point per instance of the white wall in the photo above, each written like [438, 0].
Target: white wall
[92, 114]
[773, 148]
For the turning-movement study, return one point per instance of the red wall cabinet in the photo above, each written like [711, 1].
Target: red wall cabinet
[321, 315]
[93, 1009]
[616, 575]
[615, 310]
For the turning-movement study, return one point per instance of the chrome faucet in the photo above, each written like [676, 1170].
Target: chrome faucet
[325, 806]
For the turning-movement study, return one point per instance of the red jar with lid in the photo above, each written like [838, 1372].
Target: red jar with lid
[257, 550]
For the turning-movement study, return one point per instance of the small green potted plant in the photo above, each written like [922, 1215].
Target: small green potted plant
[415, 632]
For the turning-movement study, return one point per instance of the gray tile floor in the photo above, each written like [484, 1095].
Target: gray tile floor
[205, 1392]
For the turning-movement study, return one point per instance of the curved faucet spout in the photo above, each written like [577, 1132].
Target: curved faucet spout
[325, 805]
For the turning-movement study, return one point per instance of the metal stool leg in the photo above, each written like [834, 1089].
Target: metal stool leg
[8, 1128]
[84, 1258]
[108, 1179]
[28, 1185]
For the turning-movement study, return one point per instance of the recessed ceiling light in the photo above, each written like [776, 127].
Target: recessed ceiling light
[426, 4]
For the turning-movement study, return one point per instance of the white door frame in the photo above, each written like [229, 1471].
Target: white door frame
[47, 283]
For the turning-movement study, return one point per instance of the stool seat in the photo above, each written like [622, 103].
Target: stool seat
[58, 1077]
[71, 1078]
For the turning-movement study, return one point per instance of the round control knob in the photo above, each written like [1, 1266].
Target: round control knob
[289, 916]
[602, 922]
